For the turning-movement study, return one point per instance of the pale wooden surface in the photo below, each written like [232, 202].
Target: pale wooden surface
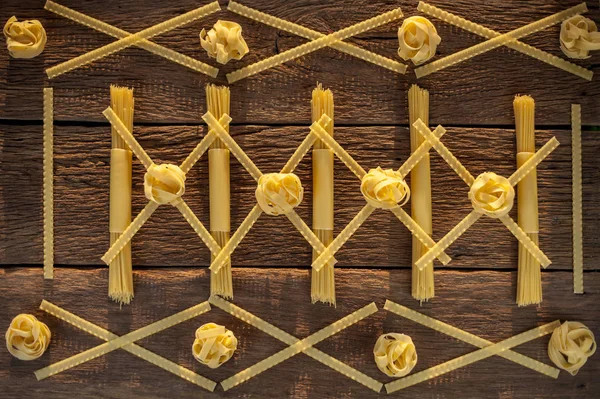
[271, 114]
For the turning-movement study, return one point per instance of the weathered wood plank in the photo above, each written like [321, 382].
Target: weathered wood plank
[478, 302]
[477, 92]
[81, 197]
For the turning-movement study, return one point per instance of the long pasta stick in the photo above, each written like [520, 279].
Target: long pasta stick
[113, 31]
[198, 227]
[131, 40]
[299, 346]
[289, 339]
[134, 349]
[577, 202]
[122, 341]
[48, 183]
[521, 47]
[307, 33]
[469, 338]
[314, 45]
[498, 41]
[534, 161]
[472, 357]
[529, 245]
[124, 132]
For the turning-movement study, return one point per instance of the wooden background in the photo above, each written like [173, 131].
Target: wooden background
[271, 113]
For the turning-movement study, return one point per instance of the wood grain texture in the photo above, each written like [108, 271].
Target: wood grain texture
[478, 92]
[478, 302]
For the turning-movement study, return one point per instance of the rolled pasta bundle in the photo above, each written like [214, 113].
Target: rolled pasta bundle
[27, 338]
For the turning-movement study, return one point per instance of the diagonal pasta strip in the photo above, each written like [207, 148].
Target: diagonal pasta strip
[472, 357]
[289, 339]
[533, 249]
[314, 45]
[299, 346]
[48, 160]
[133, 144]
[307, 33]
[134, 349]
[419, 153]
[202, 147]
[577, 195]
[498, 41]
[469, 338]
[534, 161]
[115, 32]
[198, 227]
[131, 40]
[521, 47]
[122, 341]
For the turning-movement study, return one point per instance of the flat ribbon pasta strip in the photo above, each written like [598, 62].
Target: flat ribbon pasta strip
[499, 41]
[48, 183]
[289, 339]
[469, 338]
[255, 213]
[521, 47]
[115, 32]
[131, 40]
[314, 45]
[132, 348]
[122, 341]
[472, 357]
[577, 202]
[299, 346]
[310, 34]
[367, 210]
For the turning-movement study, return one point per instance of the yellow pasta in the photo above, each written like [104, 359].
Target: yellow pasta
[131, 40]
[572, 343]
[306, 33]
[578, 36]
[115, 32]
[27, 338]
[418, 40]
[224, 42]
[48, 183]
[25, 39]
[498, 41]
[521, 47]
[314, 45]
[395, 354]
[214, 345]
[577, 201]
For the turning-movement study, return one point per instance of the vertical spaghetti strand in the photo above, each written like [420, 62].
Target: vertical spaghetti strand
[529, 281]
[577, 205]
[48, 183]
[420, 188]
[322, 281]
[120, 275]
[218, 103]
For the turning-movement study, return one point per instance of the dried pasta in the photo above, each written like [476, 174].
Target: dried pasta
[314, 45]
[27, 338]
[498, 41]
[307, 33]
[120, 275]
[578, 36]
[48, 183]
[214, 345]
[418, 40]
[115, 32]
[395, 354]
[120, 342]
[529, 281]
[134, 349]
[571, 344]
[224, 42]
[25, 39]
[131, 40]
[521, 47]
[577, 199]
[471, 358]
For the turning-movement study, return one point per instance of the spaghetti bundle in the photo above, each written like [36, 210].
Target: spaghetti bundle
[218, 101]
[420, 182]
[529, 282]
[120, 279]
[323, 283]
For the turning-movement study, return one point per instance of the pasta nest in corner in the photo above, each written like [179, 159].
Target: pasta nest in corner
[384, 188]
[279, 193]
[578, 36]
[27, 338]
[25, 39]
[492, 195]
[571, 345]
[214, 345]
[164, 183]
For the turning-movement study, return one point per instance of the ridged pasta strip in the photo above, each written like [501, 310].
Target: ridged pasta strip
[577, 203]
[444, 153]
[419, 153]
[202, 147]
[127, 136]
[498, 41]
[115, 32]
[526, 241]
[134, 349]
[122, 341]
[472, 357]
[131, 40]
[521, 47]
[449, 238]
[304, 147]
[307, 33]
[314, 45]
[534, 161]
[299, 346]
[289, 339]
[198, 227]
[307, 233]
[469, 338]
[48, 183]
